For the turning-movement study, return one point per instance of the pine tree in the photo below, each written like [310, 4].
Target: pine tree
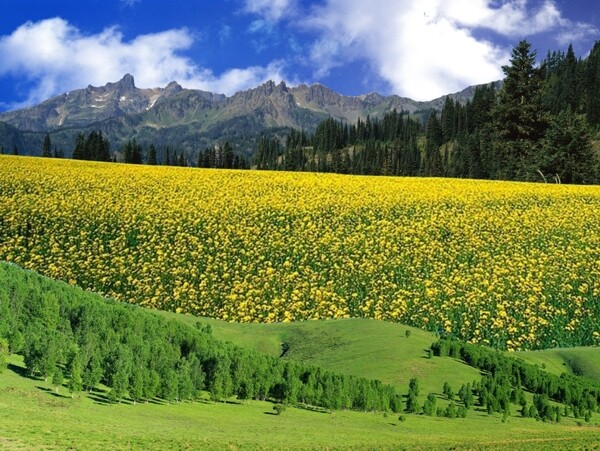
[519, 115]
[136, 152]
[151, 155]
[47, 153]
[78, 150]
[568, 154]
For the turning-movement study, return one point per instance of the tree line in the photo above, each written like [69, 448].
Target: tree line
[537, 126]
[64, 333]
[506, 379]
[95, 147]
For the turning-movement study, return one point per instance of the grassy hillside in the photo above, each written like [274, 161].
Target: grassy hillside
[582, 361]
[363, 347]
[32, 415]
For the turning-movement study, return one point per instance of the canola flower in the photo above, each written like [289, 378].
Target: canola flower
[512, 265]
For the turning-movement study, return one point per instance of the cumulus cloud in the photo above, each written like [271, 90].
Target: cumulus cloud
[427, 49]
[55, 56]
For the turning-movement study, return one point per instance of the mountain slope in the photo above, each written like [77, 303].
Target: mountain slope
[193, 119]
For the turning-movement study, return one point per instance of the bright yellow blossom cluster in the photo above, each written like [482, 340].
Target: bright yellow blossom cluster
[507, 264]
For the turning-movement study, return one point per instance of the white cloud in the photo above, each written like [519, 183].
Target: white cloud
[272, 10]
[427, 49]
[55, 57]
[510, 18]
[575, 32]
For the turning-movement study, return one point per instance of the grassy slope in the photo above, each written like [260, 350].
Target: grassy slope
[583, 361]
[380, 350]
[32, 416]
[364, 347]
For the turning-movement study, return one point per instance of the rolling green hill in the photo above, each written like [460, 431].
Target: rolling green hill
[363, 347]
[34, 415]
[581, 361]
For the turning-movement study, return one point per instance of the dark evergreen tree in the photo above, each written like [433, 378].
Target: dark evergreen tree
[520, 118]
[151, 160]
[567, 154]
[47, 152]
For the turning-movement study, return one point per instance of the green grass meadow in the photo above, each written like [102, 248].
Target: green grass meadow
[33, 416]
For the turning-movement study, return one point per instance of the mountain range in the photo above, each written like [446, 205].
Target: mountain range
[191, 119]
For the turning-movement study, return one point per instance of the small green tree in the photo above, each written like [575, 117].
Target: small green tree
[413, 386]
[429, 405]
[450, 411]
[75, 384]
[279, 409]
[136, 383]
[57, 378]
[447, 390]
[533, 412]
[412, 404]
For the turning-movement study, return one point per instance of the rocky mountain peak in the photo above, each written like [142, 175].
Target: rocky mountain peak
[172, 88]
[126, 83]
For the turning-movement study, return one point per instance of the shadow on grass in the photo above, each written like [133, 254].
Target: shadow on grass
[23, 372]
[312, 408]
[271, 413]
[52, 392]
[99, 399]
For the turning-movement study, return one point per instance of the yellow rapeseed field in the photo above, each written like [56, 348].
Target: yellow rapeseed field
[508, 264]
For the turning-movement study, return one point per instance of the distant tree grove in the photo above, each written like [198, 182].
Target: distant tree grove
[506, 380]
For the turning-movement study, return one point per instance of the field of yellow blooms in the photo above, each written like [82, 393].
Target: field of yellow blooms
[512, 265]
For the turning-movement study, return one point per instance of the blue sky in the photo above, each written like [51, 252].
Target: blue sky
[415, 48]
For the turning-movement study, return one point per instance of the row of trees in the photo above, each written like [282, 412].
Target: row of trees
[95, 147]
[63, 332]
[506, 379]
[535, 126]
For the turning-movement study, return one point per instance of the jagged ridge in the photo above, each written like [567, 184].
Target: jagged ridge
[190, 118]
